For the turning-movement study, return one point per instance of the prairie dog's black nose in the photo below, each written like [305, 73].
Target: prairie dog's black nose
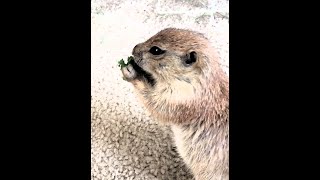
[136, 51]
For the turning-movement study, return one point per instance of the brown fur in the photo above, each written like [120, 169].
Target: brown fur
[194, 100]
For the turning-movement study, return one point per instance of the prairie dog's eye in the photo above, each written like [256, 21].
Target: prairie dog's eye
[156, 50]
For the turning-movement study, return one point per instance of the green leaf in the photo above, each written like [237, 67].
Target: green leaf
[130, 58]
[122, 64]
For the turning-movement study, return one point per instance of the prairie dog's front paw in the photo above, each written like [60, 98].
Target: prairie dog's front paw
[129, 73]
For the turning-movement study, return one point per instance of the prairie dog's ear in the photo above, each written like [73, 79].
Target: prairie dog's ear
[190, 58]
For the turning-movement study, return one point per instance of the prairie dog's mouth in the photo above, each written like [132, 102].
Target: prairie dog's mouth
[142, 72]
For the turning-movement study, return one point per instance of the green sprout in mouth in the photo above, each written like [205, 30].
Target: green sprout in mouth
[137, 68]
[122, 64]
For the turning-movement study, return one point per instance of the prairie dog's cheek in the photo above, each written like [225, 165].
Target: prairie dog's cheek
[180, 91]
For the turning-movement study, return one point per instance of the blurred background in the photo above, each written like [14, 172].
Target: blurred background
[126, 142]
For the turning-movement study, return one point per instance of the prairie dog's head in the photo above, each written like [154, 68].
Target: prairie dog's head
[179, 59]
[184, 75]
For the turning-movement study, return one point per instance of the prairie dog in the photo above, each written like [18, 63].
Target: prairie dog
[177, 75]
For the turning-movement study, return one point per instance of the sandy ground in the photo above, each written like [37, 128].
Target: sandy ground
[126, 142]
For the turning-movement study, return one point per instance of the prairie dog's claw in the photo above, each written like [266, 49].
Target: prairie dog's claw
[129, 73]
